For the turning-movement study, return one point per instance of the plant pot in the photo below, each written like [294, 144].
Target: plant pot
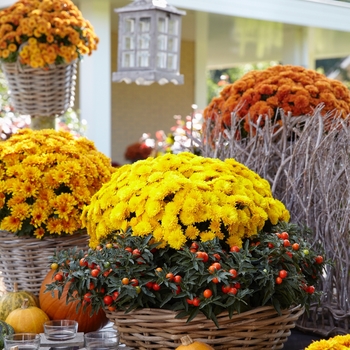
[25, 260]
[41, 92]
[260, 328]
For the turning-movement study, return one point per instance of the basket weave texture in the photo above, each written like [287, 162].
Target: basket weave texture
[260, 328]
[25, 260]
[41, 92]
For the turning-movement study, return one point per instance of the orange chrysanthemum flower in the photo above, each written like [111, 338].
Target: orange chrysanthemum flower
[50, 22]
[293, 89]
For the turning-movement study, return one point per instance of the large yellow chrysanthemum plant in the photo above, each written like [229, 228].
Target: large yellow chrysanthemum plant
[39, 33]
[178, 198]
[46, 178]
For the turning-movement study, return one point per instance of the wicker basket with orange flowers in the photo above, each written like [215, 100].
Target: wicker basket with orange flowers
[40, 44]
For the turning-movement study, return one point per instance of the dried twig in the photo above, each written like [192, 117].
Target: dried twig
[307, 162]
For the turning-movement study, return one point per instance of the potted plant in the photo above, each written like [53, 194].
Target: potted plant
[46, 178]
[292, 90]
[187, 244]
[296, 135]
[40, 43]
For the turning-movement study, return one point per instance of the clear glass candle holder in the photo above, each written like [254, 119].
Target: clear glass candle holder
[60, 330]
[23, 341]
[102, 340]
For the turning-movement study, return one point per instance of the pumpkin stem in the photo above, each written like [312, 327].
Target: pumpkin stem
[15, 287]
[186, 340]
[25, 303]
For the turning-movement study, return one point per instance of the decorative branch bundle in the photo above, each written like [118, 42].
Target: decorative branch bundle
[307, 162]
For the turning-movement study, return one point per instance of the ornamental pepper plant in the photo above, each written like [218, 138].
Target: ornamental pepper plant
[125, 272]
[190, 234]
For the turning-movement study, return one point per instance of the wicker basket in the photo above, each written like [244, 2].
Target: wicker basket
[41, 92]
[325, 320]
[261, 328]
[25, 260]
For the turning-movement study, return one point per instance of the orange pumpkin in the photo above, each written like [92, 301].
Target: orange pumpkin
[57, 309]
[188, 344]
[27, 319]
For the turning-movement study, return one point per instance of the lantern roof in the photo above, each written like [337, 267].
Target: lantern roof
[143, 5]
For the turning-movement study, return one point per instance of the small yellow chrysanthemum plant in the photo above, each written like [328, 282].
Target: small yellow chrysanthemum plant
[39, 33]
[178, 198]
[46, 178]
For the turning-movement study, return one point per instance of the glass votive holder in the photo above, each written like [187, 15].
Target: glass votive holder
[60, 330]
[22, 341]
[102, 340]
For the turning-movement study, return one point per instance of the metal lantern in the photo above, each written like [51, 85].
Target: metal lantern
[149, 43]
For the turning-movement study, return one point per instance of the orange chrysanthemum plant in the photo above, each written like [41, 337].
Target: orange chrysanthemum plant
[269, 93]
[39, 33]
[46, 179]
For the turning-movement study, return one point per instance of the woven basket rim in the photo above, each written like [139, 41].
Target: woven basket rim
[156, 311]
[24, 67]
[5, 236]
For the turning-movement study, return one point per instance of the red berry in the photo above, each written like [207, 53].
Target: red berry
[233, 291]
[156, 287]
[286, 243]
[134, 282]
[87, 297]
[235, 249]
[283, 274]
[233, 273]
[284, 235]
[319, 259]
[279, 280]
[225, 289]
[295, 246]
[207, 293]
[59, 277]
[177, 279]
[108, 300]
[196, 302]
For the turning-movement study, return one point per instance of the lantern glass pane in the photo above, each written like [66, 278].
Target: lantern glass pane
[128, 42]
[172, 44]
[162, 25]
[145, 24]
[173, 26]
[142, 59]
[162, 42]
[128, 59]
[143, 41]
[171, 61]
[129, 25]
[161, 60]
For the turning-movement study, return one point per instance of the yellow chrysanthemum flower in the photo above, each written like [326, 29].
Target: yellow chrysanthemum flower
[339, 342]
[183, 197]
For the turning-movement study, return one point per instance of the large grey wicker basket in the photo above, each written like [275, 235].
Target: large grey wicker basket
[39, 91]
[26, 260]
